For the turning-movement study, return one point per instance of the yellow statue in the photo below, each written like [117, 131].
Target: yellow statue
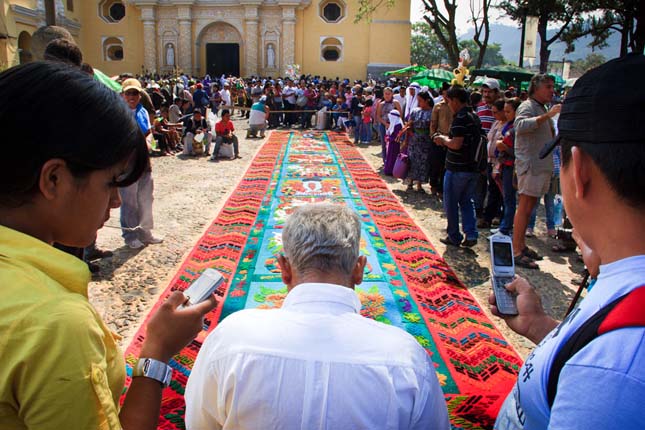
[461, 72]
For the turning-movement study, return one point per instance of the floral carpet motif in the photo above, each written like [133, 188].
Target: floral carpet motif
[406, 283]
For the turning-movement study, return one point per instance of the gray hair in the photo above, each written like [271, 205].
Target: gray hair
[537, 81]
[322, 237]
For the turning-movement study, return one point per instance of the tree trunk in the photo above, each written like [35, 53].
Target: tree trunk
[545, 53]
[639, 34]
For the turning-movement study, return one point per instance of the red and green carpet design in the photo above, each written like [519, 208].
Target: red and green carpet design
[406, 284]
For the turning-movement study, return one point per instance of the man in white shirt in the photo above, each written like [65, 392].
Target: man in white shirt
[316, 363]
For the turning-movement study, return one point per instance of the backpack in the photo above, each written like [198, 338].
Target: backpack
[625, 311]
[480, 147]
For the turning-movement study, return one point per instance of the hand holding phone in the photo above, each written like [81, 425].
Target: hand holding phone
[502, 273]
[203, 287]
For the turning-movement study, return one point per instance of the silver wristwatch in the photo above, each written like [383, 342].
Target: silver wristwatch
[154, 369]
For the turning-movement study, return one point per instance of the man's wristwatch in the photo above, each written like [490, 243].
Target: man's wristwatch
[154, 369]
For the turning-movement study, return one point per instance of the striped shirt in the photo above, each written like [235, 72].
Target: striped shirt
[485, 114]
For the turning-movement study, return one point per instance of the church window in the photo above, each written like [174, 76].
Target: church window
[112, 10]
[332, 11]
[70, 5]
[113, 49]
[331, 48]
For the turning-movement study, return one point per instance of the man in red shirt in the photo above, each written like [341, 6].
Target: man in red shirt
[224, 134]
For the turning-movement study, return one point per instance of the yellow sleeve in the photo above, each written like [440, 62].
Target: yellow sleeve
[63, 383]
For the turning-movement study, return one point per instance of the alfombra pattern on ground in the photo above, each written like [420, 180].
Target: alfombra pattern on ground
[406, 283]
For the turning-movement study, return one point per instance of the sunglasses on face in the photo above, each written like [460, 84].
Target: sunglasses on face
[132, 93]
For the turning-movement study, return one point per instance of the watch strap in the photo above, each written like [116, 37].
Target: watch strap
[154, 369]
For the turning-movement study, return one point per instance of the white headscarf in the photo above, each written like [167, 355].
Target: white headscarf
[395, 118]
[411, 101]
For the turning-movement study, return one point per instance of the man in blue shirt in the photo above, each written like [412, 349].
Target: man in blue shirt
[602, 386]
[136, 206]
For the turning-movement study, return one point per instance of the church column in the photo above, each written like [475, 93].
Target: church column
[288, 35]
[149, 38]
[251, 39]
[184, 16]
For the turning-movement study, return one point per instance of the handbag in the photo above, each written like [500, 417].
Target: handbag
[401, 166]
[301, 100]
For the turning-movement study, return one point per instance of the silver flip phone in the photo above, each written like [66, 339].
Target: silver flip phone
[502, 272]
[202, 288]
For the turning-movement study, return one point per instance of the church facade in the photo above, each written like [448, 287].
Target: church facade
[240, 37]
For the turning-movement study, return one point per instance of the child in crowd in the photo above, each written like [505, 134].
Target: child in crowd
[366, 126]
[340, 112]
[391, 134]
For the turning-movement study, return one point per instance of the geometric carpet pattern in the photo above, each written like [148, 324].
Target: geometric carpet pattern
[406, 282]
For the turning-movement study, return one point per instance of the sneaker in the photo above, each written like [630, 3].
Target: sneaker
[232, 157]
[94, 268]
[135, 244]
[469, 243]
[152, 240]
[551, 233]
[494, 230]
[448, 241]
[97, 253]
[530, 232]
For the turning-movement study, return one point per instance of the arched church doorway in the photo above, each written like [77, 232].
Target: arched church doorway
[222, 43]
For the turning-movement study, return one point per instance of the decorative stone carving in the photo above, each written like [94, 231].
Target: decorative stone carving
[288, 34]
[251, 47]
[185, 47]
[150, 46]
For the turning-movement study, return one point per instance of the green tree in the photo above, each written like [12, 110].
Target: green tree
[479, 18]
[441, 16]
[627, 17]
[579, 67]
[425, 48]
[492, 57]
[549, 12]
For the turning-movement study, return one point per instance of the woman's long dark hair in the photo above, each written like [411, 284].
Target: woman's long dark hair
[51, 110]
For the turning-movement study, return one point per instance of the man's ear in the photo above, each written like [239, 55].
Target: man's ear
[52, 175]
[359, 270]
[286, 270]
[581, 172]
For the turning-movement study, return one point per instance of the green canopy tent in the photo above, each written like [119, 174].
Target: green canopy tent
[433, 78]
[510, 75]
[407, 71]
[107, 81]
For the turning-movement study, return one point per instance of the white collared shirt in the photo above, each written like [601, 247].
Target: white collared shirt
[316, 363]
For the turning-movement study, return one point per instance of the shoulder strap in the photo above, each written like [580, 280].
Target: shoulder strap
[625, 311]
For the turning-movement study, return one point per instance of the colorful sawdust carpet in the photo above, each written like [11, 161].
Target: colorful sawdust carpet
[406, 283]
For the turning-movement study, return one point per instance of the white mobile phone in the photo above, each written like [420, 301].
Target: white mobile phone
[502, 272]
[202, 288]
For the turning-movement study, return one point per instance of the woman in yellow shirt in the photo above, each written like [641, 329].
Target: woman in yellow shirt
[60, 366]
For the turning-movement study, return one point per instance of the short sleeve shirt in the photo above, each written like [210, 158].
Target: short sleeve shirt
[142, 117]
[462, 126]
[61, 367]
[221, 128]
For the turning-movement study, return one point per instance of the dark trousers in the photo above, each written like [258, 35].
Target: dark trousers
[437, 167]
[288, 117]
[495, 198]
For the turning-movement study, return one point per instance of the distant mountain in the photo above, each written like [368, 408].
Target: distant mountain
[509, 38]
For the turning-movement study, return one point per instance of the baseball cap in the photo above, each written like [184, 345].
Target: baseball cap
[604, 106]
[131, 84]
[491, 83]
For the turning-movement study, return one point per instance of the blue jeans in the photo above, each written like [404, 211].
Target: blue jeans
[381, 136]
[357, 129]
[506, 226]
[366, 132]
[548, 208]
[459, 194]
[136, 208]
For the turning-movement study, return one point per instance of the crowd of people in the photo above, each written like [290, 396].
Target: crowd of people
[311, 363]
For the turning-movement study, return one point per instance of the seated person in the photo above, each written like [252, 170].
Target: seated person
[258, 118]
[315, 363]
[224, 134]
[194, 126]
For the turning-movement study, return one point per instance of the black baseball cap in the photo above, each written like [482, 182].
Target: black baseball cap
[606, 105]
